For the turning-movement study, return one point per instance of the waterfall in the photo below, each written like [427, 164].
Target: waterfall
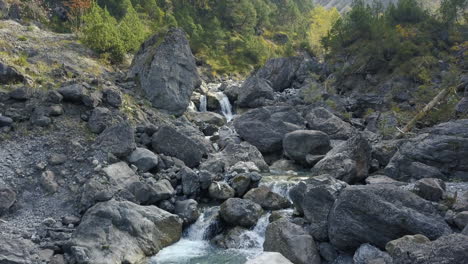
[203, 103]
[226, 107]
[280, 187]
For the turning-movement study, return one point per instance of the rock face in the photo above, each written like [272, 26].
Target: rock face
[280, 72]
[445, 250]
[267, 199]
[442, 152]
[170, 142]
[265, 127]
[123, 232]
[377, 214]
[323, 120]
[7, 199]
[270, 258]
[300, 145]
[240, 212]
[254, 93]
[167, 72]
[349, 161]
[118, 139]
[292, 241]
[9, 75]
[15, 251]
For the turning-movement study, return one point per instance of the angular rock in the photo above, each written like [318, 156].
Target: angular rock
[187, 210]
[118, 139]
[254, 92]
[430, 189]
[299, 144]
[7, 199]
[323, 120]
[20, 94]
[92, 99]
[167, 71]
[241, 184]
[368, 254]
[240, 212]
[265, 127]
[377, 214]
[73, 93]
[151, 191]
[99, 120]
[144, 159]
[461, 220]
[112, 97]
[170, 142]
[221, 191]
[280, 72]
[123, 232]
[267, 199]
[190, 181]
[292, 241]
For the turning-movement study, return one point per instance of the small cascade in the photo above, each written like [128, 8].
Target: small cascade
[203, 103]
[281, 187]
[253, 239]
[226, 107]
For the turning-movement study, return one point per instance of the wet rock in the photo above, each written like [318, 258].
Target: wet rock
[270, 258]
[167, 71]
[171, 142]
[144, 159]
[187, 210]
[265, 127]
[368, 254]
[240, 212]
[292, 241]
[123, 232]
[299, 144]
[323, 120]
[118, 139]
[254, 92]
[379, 220]
[267, 199]
[241, 184]
[99, 120]
[430, 189]
[236, 237]
[7, 199]
[221, 191]
[349, 161]
[151, 191]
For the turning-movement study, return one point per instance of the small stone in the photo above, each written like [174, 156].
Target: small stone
[48, 182]
[57, 159]
[49, 222]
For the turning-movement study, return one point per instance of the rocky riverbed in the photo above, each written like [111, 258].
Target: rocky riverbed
[158, 164]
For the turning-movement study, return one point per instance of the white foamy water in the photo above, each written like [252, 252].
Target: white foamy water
[226, 107]
[203, 103]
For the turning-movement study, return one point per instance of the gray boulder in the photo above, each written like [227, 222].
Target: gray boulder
[240, 212]
[349, 161]
[187, 210]
[280, 72]
[441, 152]
[265, 127]
[315, 200]
[298, 145]
[73, 93]
[99, 120]
[190, 181]
[10, 75]
[167, 71]
[368, 254]
[151, 191]
[16, 250]
[267, 199]
[270, 258]
[221, 191]
[377, 214]
[169, 141]
[241, 184]
[112, 96]
[448, 249]
[118, 139]
[254, 92]
[323, 120]
[144, 159]
[7, 199]
[430, 189]
[292, 241]
[123, 232]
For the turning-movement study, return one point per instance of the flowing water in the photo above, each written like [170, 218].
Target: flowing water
[226, 107]
[203, 103]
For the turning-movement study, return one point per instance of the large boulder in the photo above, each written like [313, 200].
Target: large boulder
[123, 232]
[15, 250]
[267, 199]
[368, 254]
[118, 139]
[448, 249]
[349, 161]
[265, 127]
[169, 141]
[270, 258]
[144, 159]
[442, 152]
[280, 72]
[323, 120]
[73, 93]
[315, 200]
[254, 92]
[377, 214]
[151, 191]
[167, 71]
[240, 212]
[303, 145]
[10, 75]
[292, 241]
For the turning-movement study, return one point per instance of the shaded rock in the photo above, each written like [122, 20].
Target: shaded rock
[144, 159]
[221, 191]
[123, 232]
[292, 241]
[187, 210]
[299, 144]
[54, 97]
[112, 97]
[206, 178]
[327, 251]
[461, 219]
[190, 181]
[241, 184]
[10, 75]
[280, 72]
[118, 139]
[7, 199]
[379, 220]
[445, 250]
[240, 212]
[73, 93]
[20, 94]
[323, 120]
[254, 92]
[267, 199]
[265, 127]
[349, 161]
[368, 254]
[99, 120]
[92, 99]
[171, 142]
[430, 189]
[236, 237]
[167, 71]
[5, 121]
[270, 258]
